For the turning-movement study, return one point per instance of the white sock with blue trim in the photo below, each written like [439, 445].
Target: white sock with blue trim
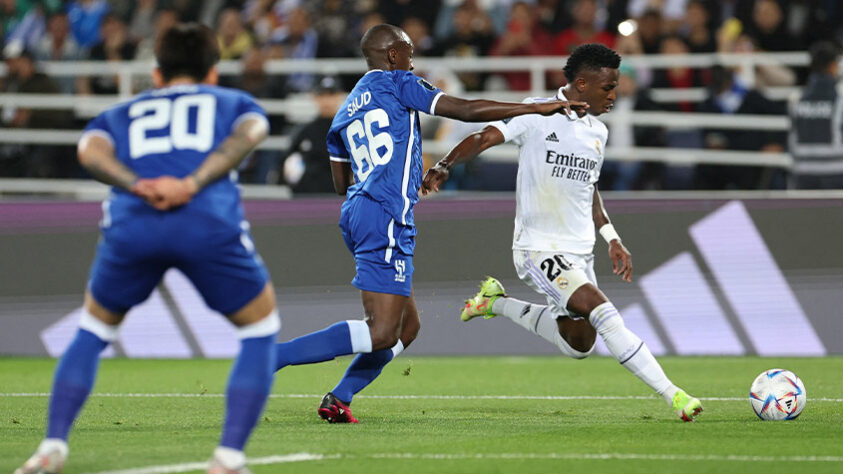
[630, 350]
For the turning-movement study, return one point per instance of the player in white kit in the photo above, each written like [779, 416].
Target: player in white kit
[558, 209]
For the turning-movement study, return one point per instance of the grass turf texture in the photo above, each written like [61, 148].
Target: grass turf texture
[439, 435]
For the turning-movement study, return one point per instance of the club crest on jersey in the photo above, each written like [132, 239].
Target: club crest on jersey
[426, 85]
[597, 146]
[400, 268]
[562, 282]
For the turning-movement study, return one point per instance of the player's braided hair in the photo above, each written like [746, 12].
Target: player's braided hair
[187, 49]
[592, 56]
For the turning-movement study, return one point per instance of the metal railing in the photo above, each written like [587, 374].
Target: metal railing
[300, 108]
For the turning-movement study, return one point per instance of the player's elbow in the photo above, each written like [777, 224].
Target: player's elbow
[86, 158]
[482, 140]
[83, 160]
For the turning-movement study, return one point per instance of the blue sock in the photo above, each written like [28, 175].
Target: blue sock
[248, 388]
[73, 381]
[319, 346]
[363, 370]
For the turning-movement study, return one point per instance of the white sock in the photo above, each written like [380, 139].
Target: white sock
[397, 348]
[229, 457]
[53, 444]
[538, 319]
[630, 351]
[361, 338]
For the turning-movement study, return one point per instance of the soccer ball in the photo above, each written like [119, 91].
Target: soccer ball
[777, 394]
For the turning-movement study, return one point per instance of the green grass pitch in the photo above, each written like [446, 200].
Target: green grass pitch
[439, 415]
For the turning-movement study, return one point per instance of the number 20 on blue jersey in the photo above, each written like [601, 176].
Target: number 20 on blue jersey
[158, 114]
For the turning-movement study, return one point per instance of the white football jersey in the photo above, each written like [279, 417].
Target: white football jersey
[559, 163]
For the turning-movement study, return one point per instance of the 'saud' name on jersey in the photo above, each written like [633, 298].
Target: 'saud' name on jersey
[358, 102]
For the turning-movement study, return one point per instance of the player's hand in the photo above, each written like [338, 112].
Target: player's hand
[145, 189]
[564, 106]
[435, 176]
[621, 260]
[166, 192]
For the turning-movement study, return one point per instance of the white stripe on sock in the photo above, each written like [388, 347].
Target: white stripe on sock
[397, 348]
[268, 326]
[106, 332]
[361, 339]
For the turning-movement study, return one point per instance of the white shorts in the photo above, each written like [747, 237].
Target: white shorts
[556, 275]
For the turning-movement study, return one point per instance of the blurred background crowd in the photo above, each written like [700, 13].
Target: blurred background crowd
[256, 31]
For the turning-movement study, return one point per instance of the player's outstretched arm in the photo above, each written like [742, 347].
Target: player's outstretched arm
[488, 110]
[96, 155]
[465, 151]
[620, 256]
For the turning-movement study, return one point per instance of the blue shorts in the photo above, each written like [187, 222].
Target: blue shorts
[383, 248]
[217, 256]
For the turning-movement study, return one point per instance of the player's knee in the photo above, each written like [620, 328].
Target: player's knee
[410, 331]
[575, 348]
[579, 355]
[269, 325]
[582, 345]
[383, 337]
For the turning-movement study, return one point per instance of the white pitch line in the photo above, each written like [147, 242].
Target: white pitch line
[406, 397]
[301, 457]
[605, 456]
[202, 465]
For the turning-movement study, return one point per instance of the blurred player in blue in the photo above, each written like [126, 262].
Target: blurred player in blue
[376, 161]
[169, 154]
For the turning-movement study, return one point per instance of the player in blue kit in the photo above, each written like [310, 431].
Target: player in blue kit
[169, 154]
[375, 148]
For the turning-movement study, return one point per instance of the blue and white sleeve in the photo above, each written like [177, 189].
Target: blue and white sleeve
[336, 147]
[249, 109]
[98, 127]
[416, 93]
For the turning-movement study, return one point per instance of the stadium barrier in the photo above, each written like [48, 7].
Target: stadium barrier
[299, 107]
[715, 273]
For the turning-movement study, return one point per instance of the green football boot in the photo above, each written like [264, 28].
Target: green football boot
[481, 304]
[686, 406]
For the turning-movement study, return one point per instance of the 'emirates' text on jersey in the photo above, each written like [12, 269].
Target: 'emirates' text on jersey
[559, 163]
[170, 131]
[377, 130]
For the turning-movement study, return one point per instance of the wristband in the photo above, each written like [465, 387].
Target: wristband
[609, 233]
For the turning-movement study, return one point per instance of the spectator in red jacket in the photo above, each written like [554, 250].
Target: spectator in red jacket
[523, 37]
[584, 30]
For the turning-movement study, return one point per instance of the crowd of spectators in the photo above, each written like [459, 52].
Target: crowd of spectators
[254, 31]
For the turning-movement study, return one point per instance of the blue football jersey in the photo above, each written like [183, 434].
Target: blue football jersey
[170, 131]
[377, 130]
